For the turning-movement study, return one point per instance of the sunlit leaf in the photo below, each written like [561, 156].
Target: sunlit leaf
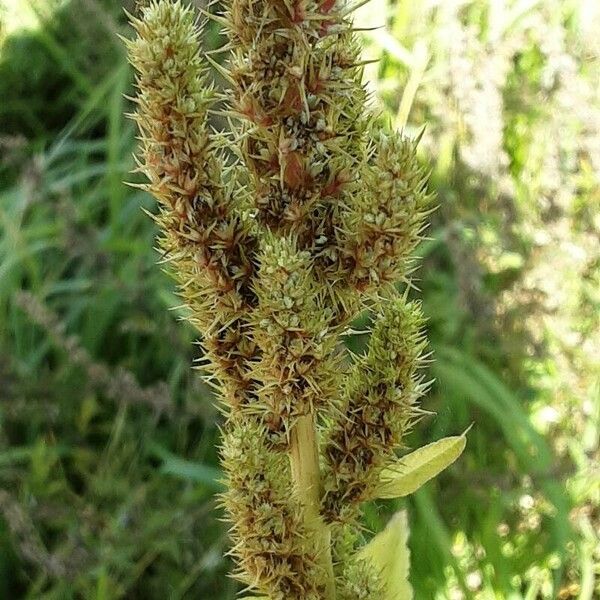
[388, 553]
[418, 467]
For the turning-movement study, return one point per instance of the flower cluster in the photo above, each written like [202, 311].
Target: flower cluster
[276, 251]
[378, 405]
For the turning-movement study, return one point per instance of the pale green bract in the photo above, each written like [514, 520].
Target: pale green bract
[417, 468]
[388, 553]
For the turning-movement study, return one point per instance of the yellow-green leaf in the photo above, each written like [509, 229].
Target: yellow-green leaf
[388, 553]
[418, 467]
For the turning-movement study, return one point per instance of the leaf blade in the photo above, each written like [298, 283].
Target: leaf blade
[417, 468]
[388, 553]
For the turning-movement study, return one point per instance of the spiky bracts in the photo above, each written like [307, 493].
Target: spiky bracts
[297, 87]
[384, 225]
[356, 578]
[360, 581]
[276, 250]
[270, 542]
[292, 327]
[208, 238]
[199, 217]
[378, 405]
[205, 234]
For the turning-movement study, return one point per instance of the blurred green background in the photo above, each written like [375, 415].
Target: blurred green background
[108, 466]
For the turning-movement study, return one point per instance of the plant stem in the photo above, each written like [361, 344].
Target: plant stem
[304, 458]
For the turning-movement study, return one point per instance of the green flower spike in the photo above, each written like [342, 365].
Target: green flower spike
[280, 232]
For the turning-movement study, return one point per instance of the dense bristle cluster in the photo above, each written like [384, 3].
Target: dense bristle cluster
[297, 367]
[357, 579]
[270, 542]
[277, 247]
[378, 404]
[360, 581]
[179, 157]
[384, 226]
[204, 233]
[297, 87]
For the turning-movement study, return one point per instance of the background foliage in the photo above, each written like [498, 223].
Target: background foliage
[107, 438]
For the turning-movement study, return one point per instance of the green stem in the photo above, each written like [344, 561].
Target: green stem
[304, 458]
